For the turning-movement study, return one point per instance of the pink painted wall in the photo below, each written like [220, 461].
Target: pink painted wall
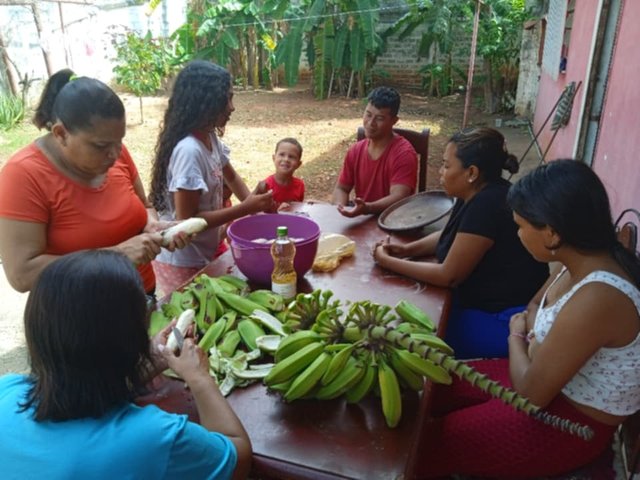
[616, 157]
[550, 90]
[618, 145]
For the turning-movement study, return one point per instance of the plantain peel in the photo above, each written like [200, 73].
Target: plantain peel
[332, 248]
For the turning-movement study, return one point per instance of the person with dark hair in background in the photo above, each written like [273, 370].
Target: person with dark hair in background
[73, 416]
[76, 187]
[478, 251]
[191, 166]
[575, 351]
[383, 167]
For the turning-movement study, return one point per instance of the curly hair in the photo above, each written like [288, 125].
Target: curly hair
[200, 95]
[485, 148]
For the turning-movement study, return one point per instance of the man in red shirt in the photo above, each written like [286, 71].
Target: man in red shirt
[383, 167]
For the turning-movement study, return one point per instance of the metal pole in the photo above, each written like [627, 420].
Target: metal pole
[472, 64]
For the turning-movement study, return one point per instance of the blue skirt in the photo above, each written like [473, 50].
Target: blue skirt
[479, 334]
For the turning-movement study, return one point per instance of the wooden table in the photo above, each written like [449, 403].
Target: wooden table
[311, 439]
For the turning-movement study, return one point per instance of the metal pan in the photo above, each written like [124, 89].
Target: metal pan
[416, 211]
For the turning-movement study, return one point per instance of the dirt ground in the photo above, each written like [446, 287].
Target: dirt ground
[324, 128]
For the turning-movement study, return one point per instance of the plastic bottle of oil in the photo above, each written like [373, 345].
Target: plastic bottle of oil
[283, 252]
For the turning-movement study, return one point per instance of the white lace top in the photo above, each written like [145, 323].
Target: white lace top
[610, 380]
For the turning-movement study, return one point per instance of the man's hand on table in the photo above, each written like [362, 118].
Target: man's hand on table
[359, 208]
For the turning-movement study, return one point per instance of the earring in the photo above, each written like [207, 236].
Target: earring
[553, 252]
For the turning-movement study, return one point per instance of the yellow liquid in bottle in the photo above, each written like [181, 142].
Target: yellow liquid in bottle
[284, 277]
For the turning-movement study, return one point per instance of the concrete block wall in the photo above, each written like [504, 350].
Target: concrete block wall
[401, 60]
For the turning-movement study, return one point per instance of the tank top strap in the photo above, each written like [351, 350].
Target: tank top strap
[543, 302]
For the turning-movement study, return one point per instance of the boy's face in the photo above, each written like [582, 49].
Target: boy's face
[287, 158]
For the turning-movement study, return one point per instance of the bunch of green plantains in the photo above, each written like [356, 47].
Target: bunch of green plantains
[374, 349]
[236, 327]
[317, 348]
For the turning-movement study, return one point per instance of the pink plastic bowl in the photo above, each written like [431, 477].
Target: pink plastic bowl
[254, 259]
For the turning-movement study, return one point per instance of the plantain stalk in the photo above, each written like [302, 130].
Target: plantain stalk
[479, 380]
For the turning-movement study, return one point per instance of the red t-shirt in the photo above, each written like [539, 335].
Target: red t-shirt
[372, 179]
[78, 217]
[294, 192]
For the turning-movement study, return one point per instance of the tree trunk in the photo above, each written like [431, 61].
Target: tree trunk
[198, 7]
[448, 88]
[244, 68]
[8, 68]
[269, 73]
[361, 77]
[489, 97]
[350, 84]
[252, 60]
[141, 113]
[35, 9]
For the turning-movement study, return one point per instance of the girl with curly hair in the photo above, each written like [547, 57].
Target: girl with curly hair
[191, 166]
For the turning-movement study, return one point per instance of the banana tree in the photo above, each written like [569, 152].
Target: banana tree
[234, 33]
[499, 41]
[441, 21]
[340, 39]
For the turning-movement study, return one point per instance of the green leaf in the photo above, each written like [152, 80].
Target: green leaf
[340, 47]
[368, 19]
[319, 67]
[358, 54]
[288, 52]
[230, 39]
[314, 15]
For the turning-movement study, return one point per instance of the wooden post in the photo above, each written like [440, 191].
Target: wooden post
[35, 9]
[6, 61]
[472, 64]
[64, 36]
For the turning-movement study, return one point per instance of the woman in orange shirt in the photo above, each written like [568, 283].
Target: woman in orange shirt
[76, 187]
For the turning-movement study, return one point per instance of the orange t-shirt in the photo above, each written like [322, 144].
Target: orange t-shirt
[77, 217]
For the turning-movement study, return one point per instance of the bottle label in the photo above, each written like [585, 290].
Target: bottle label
[287, 290]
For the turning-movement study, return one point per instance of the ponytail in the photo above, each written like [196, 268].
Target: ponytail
[511, 164]
[43, 117]
[75, 103]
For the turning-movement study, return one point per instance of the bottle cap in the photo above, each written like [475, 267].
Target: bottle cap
[282, 231]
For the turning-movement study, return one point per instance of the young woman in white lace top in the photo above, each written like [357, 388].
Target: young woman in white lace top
[575, 351]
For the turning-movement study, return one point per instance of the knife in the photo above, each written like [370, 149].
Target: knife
[179, 339]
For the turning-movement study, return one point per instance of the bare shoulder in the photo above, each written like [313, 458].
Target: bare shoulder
[603, 310]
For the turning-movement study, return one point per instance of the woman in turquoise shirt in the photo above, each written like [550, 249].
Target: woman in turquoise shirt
[90, 355]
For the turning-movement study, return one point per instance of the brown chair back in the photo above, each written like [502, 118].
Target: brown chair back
[629, 431]
[420, 143]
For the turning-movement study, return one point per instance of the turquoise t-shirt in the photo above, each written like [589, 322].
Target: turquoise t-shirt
[130, 442]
